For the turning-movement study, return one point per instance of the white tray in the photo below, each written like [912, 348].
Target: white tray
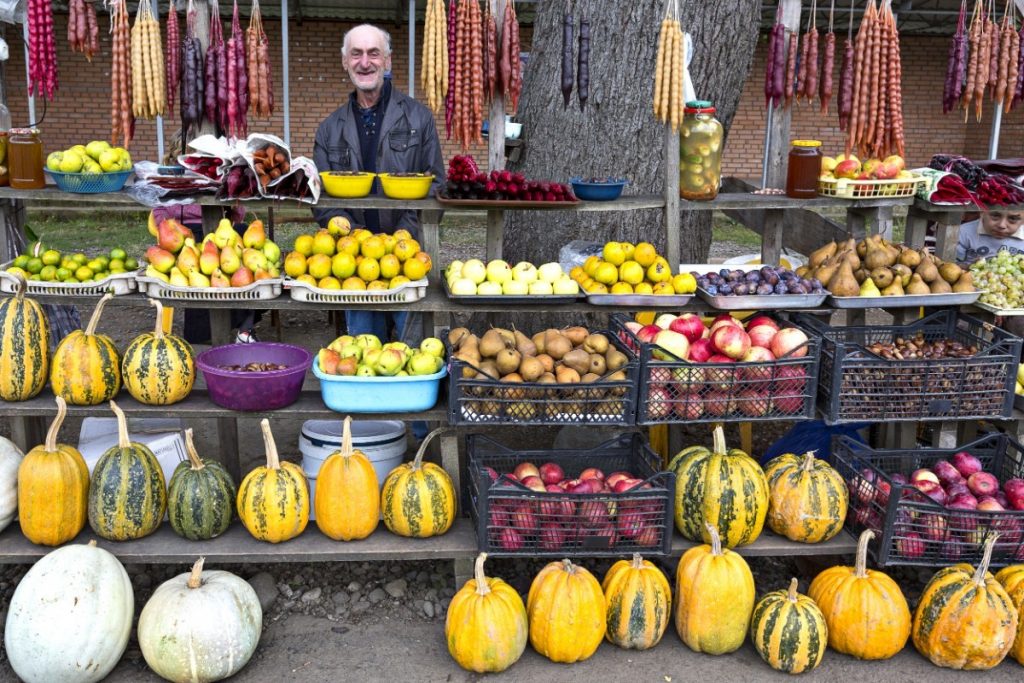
[406, 293]
[257, 291]
[122, 283]
[1002, 312]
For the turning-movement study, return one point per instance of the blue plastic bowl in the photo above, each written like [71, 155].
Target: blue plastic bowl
[90, 183]
[348, 394]
[598, 192]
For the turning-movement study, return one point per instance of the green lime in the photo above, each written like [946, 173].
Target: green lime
[21, 261]
[116, 264]
[118, 254]
[70, 279]
[34, 265]
[34, 277]
[96, 264]
[83, 273]
[48, 273]
[63, 274]
[80, 258]
[68, 262]
[131, 263]
[117, 271]
[102, 259]
[51, 257]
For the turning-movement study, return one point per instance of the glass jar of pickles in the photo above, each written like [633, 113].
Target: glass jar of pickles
[700, 152]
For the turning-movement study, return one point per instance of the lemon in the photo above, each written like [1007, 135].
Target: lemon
[80, 258]
[63, 274]
[329, 283]
[116, 264]
[613, 253]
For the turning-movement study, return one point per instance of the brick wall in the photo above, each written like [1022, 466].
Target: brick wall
[81, 111]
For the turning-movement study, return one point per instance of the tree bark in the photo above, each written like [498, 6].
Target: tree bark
[617, 134]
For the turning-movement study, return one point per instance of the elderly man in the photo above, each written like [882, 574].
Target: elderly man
[378, 129]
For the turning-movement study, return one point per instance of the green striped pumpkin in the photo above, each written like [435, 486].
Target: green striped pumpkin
[158, 368]
[788, 631]
[200, 497]
[24, 346]
[127, 496]
[807, 498]
[418, 498]
[638, 602]
[723, 487]
[86, 369]
[273, 501]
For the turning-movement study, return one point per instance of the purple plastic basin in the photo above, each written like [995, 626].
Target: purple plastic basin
[254, 390]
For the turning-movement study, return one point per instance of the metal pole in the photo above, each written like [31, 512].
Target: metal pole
[159, 119]
[28, 81]
[767, 142]
[284, 74]
[993, 141]
[412, 48]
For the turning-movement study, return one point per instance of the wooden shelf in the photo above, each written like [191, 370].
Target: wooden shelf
[237, 546]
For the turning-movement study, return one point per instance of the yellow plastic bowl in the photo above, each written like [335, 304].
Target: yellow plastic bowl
[406, 187]
[349, 186]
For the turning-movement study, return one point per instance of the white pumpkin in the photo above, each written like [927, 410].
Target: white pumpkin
[200, 626]
[10, 458]
[70, 617]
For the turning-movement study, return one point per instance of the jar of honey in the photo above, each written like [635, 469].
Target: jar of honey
[25, 153]
[700, 152]
[5, 176]
[804, 169]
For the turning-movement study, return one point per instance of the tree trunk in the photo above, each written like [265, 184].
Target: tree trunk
[617, 133]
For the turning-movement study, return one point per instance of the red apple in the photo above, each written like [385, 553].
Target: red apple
[725, 318]
[672, 342]
[966, 463]
[931, 489]
[762, 335]
[882, 492]
[630, 524]
[649, 537]
[723, 377]
[499, 516]
[688, 378]
[552, 537]
[688, 325]
[592, 473]
[960, 488]
[615, 477]
[594, 513]
[526, 469]
[553, 488]
[963, 501]
[647, 333]
[790, 378]
[1003, 499]
[534, 484]
[924, 474]
[659, 403]
[789, 342]
[551, 473]
[701, 350]
[932, 525]
[989, 504]
[761, 320]
[982, 484]
[626, 484]
[947, 474]
[961, 518]
[665, 320]
[660, 375]
[1017, 503]
[690, 407]
[952, 549]
[492, 473]
[862, 488]
[510, 539]
[753, 403]
[568, 484]
[1014, 488]
[788, 403]
[719, 403]
[910, 546]
[757, 354]
[731, 341]
[588, 486]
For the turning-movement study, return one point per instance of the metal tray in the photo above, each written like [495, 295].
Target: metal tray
[645, 300]
[503, 203]
[1003, 312]
[513, 299]
[762, 302]
[905, 301]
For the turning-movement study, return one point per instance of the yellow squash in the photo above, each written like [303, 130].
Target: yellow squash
[807, 498]
[86, 368]
[1012, 580]
[566, 609]
[418, 498]
[714, 598]
[789, 631]
[347, 500]
[53, 489]
[866, 613]
[273, 501]
[638, 601]
[486, 623]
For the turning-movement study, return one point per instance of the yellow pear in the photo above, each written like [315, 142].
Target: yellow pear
[869, 288]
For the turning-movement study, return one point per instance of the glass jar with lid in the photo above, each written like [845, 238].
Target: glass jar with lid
[25, 154]
[700, 152]
[803, 169]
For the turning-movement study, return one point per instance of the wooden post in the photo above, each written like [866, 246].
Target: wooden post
[778, 146]
[672, 241]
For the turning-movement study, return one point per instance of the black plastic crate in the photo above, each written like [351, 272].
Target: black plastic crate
[678, 391]
[513, 520]
[857, 385]
[912, 529]
[481, 400]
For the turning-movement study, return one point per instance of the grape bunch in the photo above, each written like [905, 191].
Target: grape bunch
[1000, 279]
[465, 181]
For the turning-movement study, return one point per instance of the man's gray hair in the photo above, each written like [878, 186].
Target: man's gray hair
[383, 34]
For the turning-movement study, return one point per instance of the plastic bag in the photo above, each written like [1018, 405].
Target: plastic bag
[576, 252]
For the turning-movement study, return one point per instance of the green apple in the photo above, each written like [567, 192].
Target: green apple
[95, 148]
[365, 371]
[53, 160]
[525, 272]
[90, 166]
[422, 364]
[353, 350]
[550, 272]
[566, 286]
[389, 362]
[515, 288]
[368, 341]
[371, 356]
[72, 162]
[499, 271]
[475, 270]
[433, 346]
[455, 267]
[463, 287]
[1020, 373]
[341, 342]
[540, 288]
[109, 160]
[489, 289]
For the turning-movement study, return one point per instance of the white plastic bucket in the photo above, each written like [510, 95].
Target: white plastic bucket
[383, 442]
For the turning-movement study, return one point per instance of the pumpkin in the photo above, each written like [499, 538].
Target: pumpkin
[10, 462]
[807, 498]
[200, 626]
[273, 501]
[789, 631]
[866, 613]
[200, 497]
[86, 369]
[158, 368]
[965, 619]
[24, 346]
[638, 602]
[53, 489]
[418, 498]
[127, 494]
[347, 500]
[723, 487]
[714, 598]
[567, 614]
[1012, 580]
[486, 623]
[70, 617]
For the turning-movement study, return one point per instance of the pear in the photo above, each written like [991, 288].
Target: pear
[894, 289]
[939, 286]
[254, 260]
[272, 251]
[188, 259]
[578, 360]
[903, 272]
[851, 256]
[538, 341]
[876, 257]
[209, 260]
[229, 260]
[508, 361]
[255, 236]
[950, 272]
[802, 271]
[827, 270]
[525, 346]
[219, 279]
[576, 335]
[917, 285]
[822, 254]
[241, 277]
[869, 288]
[531, 369]
[965, 283]
[862, 248]
[160, 259]
[882, 277]
[456, 335]
[510, 339]
[860, 275]
[178, 278]
[491, 344]
[198, 279]
[225, 234]
[927, 271]
[843, 282]
[171, 234]
[910, 258]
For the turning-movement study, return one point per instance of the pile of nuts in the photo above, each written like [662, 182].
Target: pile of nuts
[918, 348]
[254, 367]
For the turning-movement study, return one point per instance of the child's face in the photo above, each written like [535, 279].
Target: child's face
[1002, 224]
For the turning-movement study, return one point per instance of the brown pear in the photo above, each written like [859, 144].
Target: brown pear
[851, 257]
[939, 286]
[950, 272]
[802, 271]
[615, 359]
[598, 365]
[876, 257]
[576, 334]
[547, 361]
[903, 272]
[917, 286]
[826, 271]
[589, 378]
[538, 341]
[531, 369]
[595, 343]
[524, 345]
[882, 277]
[862, 248]
[965, 283]
[489, 367]
[470, 346]
[557, 347]
[506, 335]
[910, 258]
[843, 282]
[566, 375]
[455, 336]
[821, 254]
[508, 361]
[894, 289]
[927, 270]
[860, 275]
[491, 343]
[514, 394]
[578, 360]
